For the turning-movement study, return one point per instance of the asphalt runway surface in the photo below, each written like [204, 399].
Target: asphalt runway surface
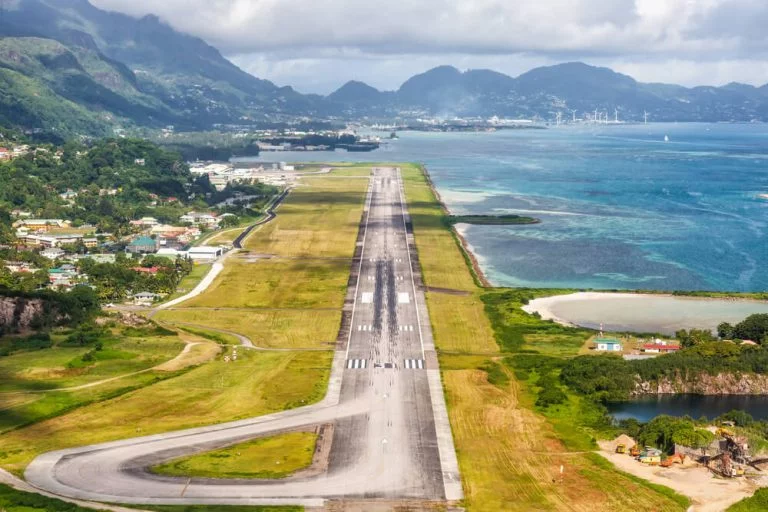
[391, 440]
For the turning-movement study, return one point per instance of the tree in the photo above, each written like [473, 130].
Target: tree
[725, 331]
[693, 337]
[754, 327]
[230, 221]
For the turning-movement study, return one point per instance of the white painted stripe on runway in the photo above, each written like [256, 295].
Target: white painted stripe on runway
[421, 364]
[367, 298]
[414, 364]
[402, 298]
[356, 364]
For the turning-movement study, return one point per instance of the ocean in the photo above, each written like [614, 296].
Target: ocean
[620, 207]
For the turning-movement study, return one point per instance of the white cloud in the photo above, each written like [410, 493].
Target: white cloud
[311, 43]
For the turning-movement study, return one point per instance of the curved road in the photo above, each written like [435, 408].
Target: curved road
[391, 440]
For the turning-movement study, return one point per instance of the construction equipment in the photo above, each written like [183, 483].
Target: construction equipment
[634, 452]
[678, 458]
[621, 448]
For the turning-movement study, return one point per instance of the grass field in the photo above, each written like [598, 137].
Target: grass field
[319, 219]
[509, 455]
[267, 329]
[269, 457]
[277, 283]
[757, 503]
[258, 383]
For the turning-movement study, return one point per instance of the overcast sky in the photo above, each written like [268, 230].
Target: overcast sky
[317, 45]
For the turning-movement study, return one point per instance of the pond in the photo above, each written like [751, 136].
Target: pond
[646, 408]
[628, 312]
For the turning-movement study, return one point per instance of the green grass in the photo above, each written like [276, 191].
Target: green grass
[62, 367]
[258, 383]
[305, 328]
[277, 284]
[518, 331]
[756, 503]
[190, 281]
[682, 501]
[12, 500]
[270, 457]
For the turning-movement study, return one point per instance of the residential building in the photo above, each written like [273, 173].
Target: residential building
[41, 224]
[608, 345]
[200, 219]
[48, 241]
[142, 245]
[145, 298]
[146, 222]
[660, 348]
[52, 253]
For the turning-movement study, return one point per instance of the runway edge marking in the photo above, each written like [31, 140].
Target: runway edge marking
[445, 447]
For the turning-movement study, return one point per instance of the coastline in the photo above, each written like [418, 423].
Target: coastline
[466, 249]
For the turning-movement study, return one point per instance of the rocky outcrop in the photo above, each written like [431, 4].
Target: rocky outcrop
[18, 314]
[705, 384]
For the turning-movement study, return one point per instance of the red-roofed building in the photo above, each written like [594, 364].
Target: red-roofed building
[5, 154]
[657, 348]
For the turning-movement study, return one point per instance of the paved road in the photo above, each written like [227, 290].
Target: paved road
[392, 439]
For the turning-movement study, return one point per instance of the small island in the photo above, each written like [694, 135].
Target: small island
[491, 220]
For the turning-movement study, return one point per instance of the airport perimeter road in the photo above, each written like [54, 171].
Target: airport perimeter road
[391, 441]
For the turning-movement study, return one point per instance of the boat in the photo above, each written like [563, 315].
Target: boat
[666, 138]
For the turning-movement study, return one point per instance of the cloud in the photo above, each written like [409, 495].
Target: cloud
[279, 38]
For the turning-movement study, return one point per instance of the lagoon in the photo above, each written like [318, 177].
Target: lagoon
[620, 208]
[646, 408]
[643, 313]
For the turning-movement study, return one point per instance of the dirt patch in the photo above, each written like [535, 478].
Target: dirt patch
[707, 492]
[448, 291]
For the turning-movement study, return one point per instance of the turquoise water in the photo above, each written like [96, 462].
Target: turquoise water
[620, 208]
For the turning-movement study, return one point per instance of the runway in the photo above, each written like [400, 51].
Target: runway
[391, 440]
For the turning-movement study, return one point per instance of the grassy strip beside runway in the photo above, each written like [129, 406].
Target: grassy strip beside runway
[509, 455]
[301, 301]
[269, 457]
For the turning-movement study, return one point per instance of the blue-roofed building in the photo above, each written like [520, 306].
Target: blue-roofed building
[608, 345]
[142, 245]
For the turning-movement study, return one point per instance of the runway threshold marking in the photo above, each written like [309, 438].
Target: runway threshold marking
[414, 364]
[356, 364]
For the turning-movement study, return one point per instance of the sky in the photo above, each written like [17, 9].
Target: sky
[317, 45]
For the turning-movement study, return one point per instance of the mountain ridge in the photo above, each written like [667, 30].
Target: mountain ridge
[108, 70]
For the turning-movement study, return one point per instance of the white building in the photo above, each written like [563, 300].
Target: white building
[52, 253]
[205, 253]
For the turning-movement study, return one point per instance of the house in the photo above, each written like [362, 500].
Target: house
[52, 253]
[204, 253]
[5, 154]
[48, 241]
[68, 195]
[145, 298]
[140, 161]
[660, 348]
[19, 267]
[41, 224]
[142, 245]
[608, 345]
[91, 242]
[145, 222]
[200, 219]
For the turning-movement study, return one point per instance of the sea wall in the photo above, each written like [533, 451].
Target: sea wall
[705, 384]
[18, 314]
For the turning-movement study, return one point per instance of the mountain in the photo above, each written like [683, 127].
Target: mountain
[136, 71]
[566, 88]
[70, 68]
